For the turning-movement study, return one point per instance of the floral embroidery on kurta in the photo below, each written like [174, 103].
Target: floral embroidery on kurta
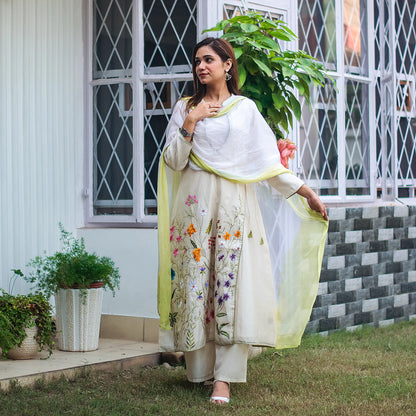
[205, 261]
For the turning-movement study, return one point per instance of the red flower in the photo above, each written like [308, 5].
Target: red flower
[287, 150]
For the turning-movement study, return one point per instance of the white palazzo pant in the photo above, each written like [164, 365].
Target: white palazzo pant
[220, 362]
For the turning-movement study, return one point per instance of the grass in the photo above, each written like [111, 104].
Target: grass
[367, 372]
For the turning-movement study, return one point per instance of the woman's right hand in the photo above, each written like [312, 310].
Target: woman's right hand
[203, 110]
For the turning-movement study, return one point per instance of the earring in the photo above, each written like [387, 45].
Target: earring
[227, 76]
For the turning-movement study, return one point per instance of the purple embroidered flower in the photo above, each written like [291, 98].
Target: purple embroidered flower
[216, 293]
[218, 283]
[199, 297]
[226, 297]
[221, 257]
[220, 300]
[233, 256]
[227, 283]
[206, 284]
[202, 269]
[231, 276]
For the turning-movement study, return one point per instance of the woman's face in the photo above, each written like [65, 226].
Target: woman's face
[209, 66]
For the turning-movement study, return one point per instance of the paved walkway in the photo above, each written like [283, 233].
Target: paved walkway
[111, 354]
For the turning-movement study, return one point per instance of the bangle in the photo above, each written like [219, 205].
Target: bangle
[185, 133]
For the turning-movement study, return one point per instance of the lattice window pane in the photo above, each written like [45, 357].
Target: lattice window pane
[160, 97]
[382, 34]
[318, 151]
[169, 35]
[355, 36]
[406, 36]
[384, 136]
[316, 27]
[113, 149]
[112, 46]
[405, 48]
[357, 138]
[406, 147]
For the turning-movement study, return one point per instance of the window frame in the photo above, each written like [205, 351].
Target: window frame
[137, 218]
[341, 79]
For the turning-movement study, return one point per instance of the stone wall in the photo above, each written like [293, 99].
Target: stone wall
[369, 269]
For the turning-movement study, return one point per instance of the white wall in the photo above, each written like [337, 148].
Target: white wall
[41, 127]
[135, 253]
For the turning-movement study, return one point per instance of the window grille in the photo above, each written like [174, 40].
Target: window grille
[335, 131]
[339, 137]
[140, 67]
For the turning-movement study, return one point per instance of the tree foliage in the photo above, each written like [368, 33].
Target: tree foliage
[267, 74]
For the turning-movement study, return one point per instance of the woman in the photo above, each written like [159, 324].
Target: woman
[221, 296]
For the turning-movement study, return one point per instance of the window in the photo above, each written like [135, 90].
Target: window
[334, 138]
[360, 143]
[140, 67]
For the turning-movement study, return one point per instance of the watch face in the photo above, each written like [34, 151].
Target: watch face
[185, 132]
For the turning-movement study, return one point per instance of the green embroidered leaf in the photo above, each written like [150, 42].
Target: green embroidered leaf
[221, 314]
[225, 333]
[190, 341]
[250, 234]
[261, 241]
[193, 244]
[209, 227]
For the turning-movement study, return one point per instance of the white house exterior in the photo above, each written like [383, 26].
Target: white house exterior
[87, 87]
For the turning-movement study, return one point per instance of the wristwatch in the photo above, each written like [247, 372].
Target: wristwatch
[185, 133]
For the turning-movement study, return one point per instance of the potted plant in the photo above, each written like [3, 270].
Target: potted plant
[77, 279]
[269, 75]
[26, 325]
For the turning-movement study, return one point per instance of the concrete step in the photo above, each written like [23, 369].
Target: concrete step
[112, 354]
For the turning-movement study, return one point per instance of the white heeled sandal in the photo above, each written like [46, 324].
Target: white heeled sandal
[225, 400]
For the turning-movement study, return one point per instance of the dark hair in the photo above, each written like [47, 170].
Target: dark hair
[225, 51]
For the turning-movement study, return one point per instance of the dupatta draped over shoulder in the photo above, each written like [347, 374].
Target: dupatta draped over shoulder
[295, 234]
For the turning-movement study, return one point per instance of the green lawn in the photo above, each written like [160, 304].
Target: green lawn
[368, 372]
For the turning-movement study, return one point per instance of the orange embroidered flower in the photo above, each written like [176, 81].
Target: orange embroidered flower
[227, 236]
[197, 254]
[238, 234]
[191, 229]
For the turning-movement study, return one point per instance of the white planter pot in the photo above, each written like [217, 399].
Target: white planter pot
[29, 347]
[78, 319]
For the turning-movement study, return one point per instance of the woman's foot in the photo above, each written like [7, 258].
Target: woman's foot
[221, 392]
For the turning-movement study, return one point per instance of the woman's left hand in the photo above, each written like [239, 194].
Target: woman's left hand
[313, 200]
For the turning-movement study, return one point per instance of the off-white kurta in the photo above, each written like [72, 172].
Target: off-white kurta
[222, 283]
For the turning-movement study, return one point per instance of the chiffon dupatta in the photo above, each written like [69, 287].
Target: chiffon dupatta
[300, 238]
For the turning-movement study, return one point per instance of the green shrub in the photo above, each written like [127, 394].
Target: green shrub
[24, 311]
[71, 267]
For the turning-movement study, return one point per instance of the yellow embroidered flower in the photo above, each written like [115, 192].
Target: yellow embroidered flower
[238, 234]
[191, 229]
[227, 236]
[197, 254]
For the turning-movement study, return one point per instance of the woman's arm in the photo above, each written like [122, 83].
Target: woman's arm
[313, 200]
[288, 184]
